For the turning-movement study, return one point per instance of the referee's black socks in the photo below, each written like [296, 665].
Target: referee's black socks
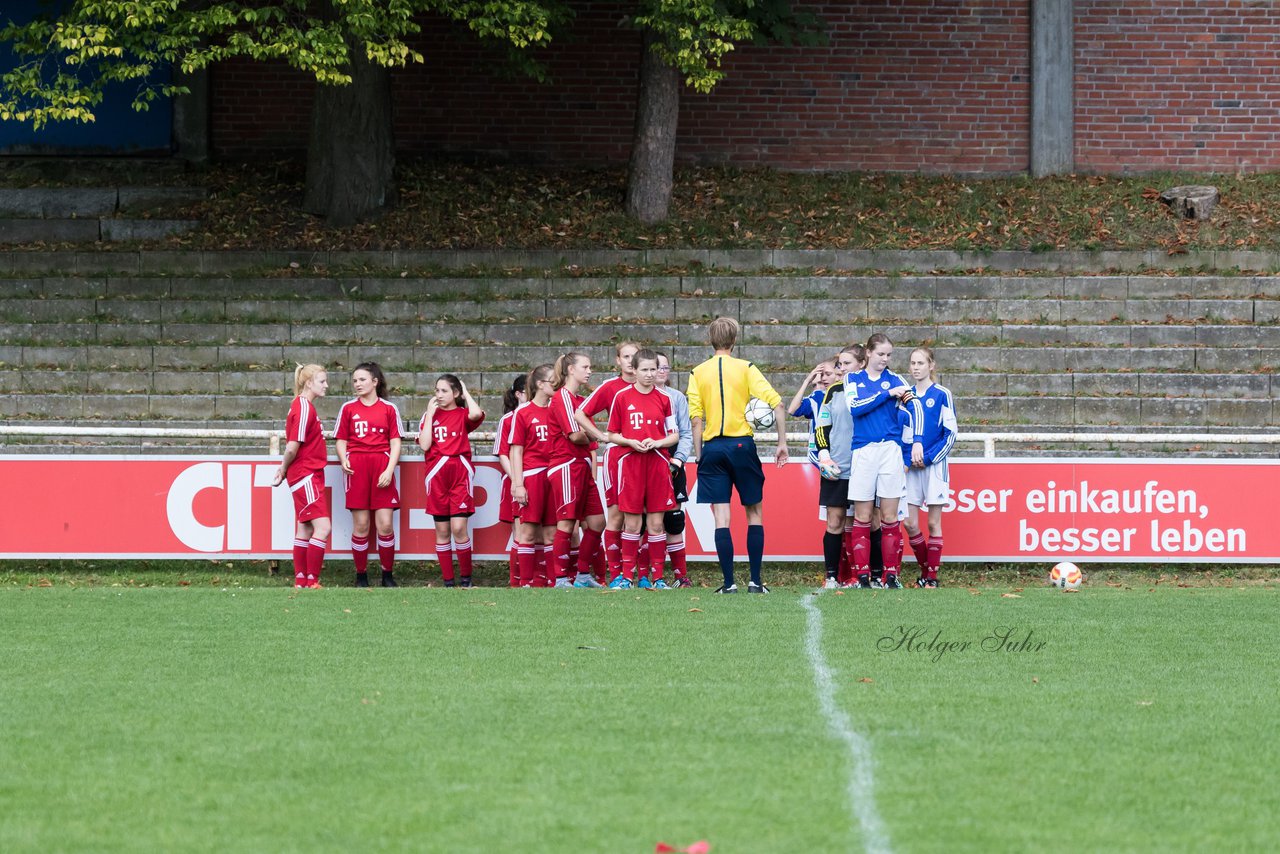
[755, 550]
[724, 551]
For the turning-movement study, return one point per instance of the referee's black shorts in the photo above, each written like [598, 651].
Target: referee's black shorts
[728, 463]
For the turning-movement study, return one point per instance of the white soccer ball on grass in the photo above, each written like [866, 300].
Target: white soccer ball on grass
[1066, 575]
[759, 415]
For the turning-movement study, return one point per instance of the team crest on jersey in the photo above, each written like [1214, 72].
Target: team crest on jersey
[929, 402]
[884, 385]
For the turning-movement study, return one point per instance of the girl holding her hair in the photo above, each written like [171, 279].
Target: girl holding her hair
[444, 436]
[305, 455]
[572, 476]
[530, 451]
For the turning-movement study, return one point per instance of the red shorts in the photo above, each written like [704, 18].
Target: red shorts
[574, 490]
[644, 483]
[611, 455]
[450, 488]
[541, 509]
[507, 509]
[363, 492]
[309, 498]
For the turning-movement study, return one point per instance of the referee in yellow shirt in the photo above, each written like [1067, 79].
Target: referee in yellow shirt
[719, 389]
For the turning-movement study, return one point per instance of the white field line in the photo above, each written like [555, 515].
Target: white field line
[861, 790]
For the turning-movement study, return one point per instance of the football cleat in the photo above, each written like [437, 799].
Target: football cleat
[585, 579]
[830, 584]
[661, 585]
[752, 587]
[388, 580]
[362, 579]
[891, 581]
[732, 588]
[864, 582]
[922, 582]
[563, 583]
[465, 582]
[645, 583]
[620, 583]
[683, 582]
[931, 583]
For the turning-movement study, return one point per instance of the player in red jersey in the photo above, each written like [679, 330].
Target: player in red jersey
[531, 443]
[444, 436]
[601, 400]
[512, 399]
[642, 424]
[368, 443]
[571, 475]
[305, 455]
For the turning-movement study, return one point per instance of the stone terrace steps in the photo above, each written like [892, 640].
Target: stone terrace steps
[1017, 350]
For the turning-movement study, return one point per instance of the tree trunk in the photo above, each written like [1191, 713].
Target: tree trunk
[653, 153]
[351, 153]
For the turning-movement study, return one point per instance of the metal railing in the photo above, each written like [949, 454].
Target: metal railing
[988, 440]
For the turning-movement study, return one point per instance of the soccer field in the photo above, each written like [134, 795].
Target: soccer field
[546, 720]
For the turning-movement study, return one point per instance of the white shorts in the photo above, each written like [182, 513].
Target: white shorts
[928, 486]
[877, 471]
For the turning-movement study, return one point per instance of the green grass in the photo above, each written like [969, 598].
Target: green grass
[245, 718]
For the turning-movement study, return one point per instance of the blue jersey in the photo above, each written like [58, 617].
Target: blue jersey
[938, 427]
[809, 408]
[874, 410]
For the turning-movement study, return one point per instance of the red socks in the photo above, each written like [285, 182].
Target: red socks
[630, 551]
[891, 545]
[934, 559]
[300, 563]
[860, 549]
[588, 549]
[657, 554]
[444, 554]
[528, 564]
[560, 554]
[613, 553]
[463, 552]
[360, 553]
[315, 560]
[919, 545]
[675, 553]
[387, 552]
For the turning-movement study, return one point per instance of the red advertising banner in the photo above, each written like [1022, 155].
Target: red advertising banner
[1136, 510]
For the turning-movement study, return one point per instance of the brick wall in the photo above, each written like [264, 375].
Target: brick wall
[929, 85]
[1177, 84]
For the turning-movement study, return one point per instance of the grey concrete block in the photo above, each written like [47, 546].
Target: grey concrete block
[969, 310]
[197, 311]
[1173, 411]
[1205, 385]
[46, 333]
[739, 259]
[829, 336]
[64, 357]
[1026, 311]
[1156, 310]
[1098, 411]
[1232, 412]
[1041, 385]
[1041, 410]
[135, 287]
[712, 286]
[1091, 311]
[11, 381]
[117, 406]
[37, 261]
[462, 358]
[790, 287]
[781, 310]
[1225, 287]
[523, 333]
[1265, 287]
[1220, 311]
[336, 360]
[1245, 259]
[590, 309]
[1227, 336]
[202, 333]
[648, 286]
[176, 262]
[899, 310]
[392, 358]
[243, 311]
[707, 308]
[120, 381]
[775, 333]
[129, 311]
[1161, 287]
[1161, 335]
[57, 202]
[10, 354]
[255, 357]
[781, 355]
[643, 309]
[565, 288]
[968, 334]
[183, 357]
[1105, 385]
[49, 231]
[967, 359]
[453, 333]
[976, 385]
[1160, 358]
[1095, 287]
[976, 411]
[50, 381]
[1040, 334]
[145, 229]
[248, 382]
[144, 198]
[385, 311]
[348, 333]
[47, 310]
[60, 406]
[255, 405]
[65, 287]
[1266, 311]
